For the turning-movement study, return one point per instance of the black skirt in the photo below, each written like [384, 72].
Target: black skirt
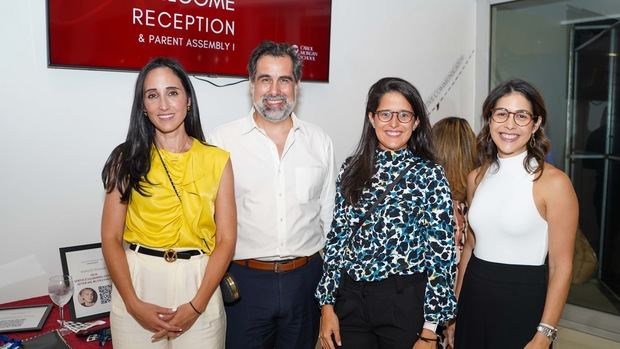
[500, 305]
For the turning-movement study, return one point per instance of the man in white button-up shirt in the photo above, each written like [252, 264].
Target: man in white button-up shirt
[284, 188]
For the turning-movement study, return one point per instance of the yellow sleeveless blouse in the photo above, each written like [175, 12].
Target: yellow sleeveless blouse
[161, 220]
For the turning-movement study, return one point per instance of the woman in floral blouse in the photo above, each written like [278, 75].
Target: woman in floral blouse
[389, 261]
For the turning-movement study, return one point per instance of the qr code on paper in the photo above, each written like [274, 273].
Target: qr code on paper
[105, 294]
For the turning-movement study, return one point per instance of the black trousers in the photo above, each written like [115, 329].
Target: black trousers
[381, 314]
[500, 305]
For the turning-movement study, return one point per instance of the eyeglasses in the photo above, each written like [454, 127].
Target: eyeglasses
[521, 117]
[403, 116]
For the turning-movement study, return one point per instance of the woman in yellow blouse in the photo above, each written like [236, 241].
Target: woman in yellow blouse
[170, 199]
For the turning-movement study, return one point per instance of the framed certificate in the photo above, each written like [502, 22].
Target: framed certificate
[23, 318]
[92, 283]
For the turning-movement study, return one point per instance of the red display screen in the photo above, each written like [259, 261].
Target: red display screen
[207, 36]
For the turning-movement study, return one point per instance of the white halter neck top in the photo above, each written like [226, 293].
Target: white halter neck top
[504, 217]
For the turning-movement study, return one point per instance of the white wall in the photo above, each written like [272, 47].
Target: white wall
[58, 126]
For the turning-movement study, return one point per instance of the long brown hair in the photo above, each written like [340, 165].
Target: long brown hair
[455, 149]
[362, 163]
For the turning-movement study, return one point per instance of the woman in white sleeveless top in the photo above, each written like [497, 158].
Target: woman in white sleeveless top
[522, 210]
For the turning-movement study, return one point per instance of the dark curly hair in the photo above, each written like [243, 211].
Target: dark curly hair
[537, 147]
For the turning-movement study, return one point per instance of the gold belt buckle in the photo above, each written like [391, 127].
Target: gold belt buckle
[170, 255]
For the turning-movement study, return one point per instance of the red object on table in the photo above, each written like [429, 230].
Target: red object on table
[52, 324]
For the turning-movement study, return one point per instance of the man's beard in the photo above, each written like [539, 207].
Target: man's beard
[275, 115]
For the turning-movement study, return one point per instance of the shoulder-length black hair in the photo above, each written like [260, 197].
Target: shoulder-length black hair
[362, 163]
[537, 147]
[130, 161]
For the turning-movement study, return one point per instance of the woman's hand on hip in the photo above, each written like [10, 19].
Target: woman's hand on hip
[330, 328]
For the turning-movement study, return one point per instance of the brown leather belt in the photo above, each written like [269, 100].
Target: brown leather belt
[276, 266]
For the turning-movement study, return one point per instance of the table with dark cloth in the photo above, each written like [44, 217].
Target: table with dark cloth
[51, 324]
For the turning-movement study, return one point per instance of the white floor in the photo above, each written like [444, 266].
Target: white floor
[571, 339]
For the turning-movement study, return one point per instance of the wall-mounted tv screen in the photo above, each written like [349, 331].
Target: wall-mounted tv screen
[212, 37]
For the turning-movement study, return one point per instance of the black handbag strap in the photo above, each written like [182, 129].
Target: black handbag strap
[173, 186]
[380, 199]
[228, 285]
[167, 173]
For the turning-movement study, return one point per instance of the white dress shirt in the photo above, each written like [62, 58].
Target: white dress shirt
[284, 205]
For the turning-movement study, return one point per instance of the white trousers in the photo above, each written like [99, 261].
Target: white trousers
[168, 285]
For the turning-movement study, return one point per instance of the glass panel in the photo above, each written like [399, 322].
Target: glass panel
[591, 91]
[610, 265]
[594, 83]
[591, 83]
[615, 117]
[588, 184]
[589, 291]
[615, 129]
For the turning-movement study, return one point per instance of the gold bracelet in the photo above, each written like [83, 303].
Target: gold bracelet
[193, 307]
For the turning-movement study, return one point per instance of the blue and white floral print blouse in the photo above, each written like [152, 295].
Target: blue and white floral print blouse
[411, 231]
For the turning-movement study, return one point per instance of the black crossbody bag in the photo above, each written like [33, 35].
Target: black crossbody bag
[379, 199]
[228, 284]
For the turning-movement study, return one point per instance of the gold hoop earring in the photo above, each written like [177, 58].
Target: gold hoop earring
[533, 141]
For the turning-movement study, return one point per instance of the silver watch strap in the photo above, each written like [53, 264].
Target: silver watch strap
[548, 331]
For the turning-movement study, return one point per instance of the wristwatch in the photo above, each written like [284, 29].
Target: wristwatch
[548, 331]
